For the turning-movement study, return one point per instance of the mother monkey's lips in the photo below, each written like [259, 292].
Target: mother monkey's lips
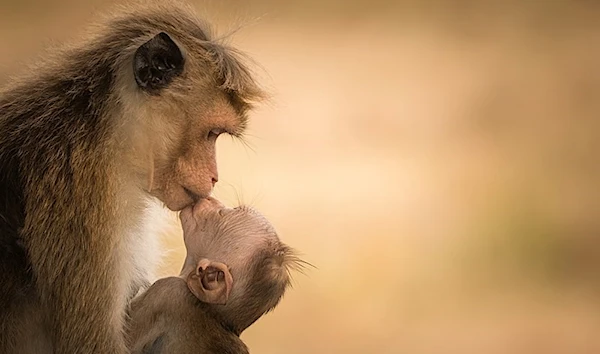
[195, 197]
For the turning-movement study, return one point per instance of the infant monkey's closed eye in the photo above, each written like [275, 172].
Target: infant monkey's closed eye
[236, 270]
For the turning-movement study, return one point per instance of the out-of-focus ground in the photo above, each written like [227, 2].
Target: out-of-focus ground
[438, 162]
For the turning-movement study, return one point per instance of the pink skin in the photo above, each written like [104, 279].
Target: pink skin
[221, 234]
[190, 214]
[193, 220]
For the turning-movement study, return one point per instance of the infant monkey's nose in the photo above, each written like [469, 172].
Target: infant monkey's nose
[207, 204]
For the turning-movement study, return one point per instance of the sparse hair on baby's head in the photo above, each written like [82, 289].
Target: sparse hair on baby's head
[241, 267]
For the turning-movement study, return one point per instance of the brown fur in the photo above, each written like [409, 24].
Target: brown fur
[169, 319]
[83, 151]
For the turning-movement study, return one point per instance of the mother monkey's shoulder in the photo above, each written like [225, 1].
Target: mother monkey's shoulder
[89, 140]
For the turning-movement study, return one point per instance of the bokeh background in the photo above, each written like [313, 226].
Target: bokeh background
[437, 161]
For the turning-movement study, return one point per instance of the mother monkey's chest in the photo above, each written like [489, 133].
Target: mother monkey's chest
[140, 250]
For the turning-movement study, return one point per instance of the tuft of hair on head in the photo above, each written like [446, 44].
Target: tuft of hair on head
[233, 73]
[224, 39]
[290, 262]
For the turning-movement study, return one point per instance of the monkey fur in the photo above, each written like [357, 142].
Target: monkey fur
[93, 141]
[221, 289]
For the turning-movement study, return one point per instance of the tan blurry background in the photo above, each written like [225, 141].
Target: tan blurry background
[438, 162]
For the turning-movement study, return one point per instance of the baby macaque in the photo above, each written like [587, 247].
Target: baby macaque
[235, 271]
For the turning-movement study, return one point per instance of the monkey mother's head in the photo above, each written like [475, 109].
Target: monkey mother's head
[177, 91]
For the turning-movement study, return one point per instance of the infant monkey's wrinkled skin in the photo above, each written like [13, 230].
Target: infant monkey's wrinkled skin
[235, 271]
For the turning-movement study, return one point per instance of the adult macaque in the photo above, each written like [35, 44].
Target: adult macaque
[235, 271]
[91, 140]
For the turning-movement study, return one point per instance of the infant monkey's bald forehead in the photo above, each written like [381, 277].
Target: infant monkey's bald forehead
[238, 259]
[230, 235]
[243, 237]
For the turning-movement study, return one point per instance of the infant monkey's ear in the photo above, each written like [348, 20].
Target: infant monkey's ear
[211, 283]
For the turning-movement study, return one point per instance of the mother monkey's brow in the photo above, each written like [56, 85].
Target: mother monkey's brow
[90, 141]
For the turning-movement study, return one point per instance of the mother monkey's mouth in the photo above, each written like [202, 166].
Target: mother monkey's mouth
[195, 197]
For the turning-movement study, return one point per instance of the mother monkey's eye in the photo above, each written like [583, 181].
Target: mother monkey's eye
[214, 133]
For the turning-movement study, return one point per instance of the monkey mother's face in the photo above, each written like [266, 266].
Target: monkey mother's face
[185, 167]
[192, 90]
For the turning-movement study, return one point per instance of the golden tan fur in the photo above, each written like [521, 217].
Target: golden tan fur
[85, 155]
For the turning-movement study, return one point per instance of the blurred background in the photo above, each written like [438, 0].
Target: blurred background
[437, 161]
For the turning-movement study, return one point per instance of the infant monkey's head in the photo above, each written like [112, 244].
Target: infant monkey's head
[235, 261]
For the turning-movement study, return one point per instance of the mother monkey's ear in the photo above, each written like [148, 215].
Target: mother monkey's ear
[157, 62]
[211, 283]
